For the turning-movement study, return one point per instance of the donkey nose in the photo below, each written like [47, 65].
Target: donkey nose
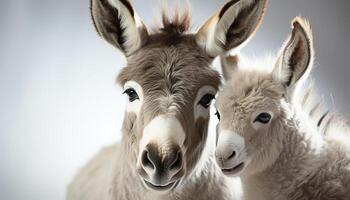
[162, 163]
[232, 155]
[149, 160]
[223, 156]
[173, 162]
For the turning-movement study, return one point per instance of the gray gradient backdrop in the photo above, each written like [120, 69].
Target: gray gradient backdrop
[59, 103]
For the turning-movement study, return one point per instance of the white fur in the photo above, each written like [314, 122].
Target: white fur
[262, 64]
[228, 142]
[163, 129]
[134, 106]
[200, 111]
[131, 25]
[210, 45]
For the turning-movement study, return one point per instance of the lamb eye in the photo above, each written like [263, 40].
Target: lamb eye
[132, 94]
[206, 100]
[263, 118]
[217, 115]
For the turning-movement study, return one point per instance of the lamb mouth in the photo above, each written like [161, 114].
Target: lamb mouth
[233, 171]
[161, 187]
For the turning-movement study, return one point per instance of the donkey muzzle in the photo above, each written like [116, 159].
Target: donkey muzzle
[161, 167]
[230, 153]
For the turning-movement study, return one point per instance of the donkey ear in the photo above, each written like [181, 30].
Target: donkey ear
[118, 23]
[228, 65]
[231, 26]
[295, 60]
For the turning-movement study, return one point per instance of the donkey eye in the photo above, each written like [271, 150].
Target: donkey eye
[263, 118]
[132, 94]
[206, 100]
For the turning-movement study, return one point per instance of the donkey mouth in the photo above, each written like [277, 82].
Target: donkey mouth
[233, 171]
[161, 187]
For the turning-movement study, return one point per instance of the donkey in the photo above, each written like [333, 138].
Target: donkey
[268, 141]
[169, 84]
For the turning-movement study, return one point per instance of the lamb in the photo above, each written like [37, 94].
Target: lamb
[266, 138]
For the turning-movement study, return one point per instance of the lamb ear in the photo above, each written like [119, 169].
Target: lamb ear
[228, 65]
[231, 26]
[295, 60]
[118, 23]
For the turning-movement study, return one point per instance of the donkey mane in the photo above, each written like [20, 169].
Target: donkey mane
[324, 117]
[179, 22]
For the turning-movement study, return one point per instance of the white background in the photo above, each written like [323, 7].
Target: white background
[59, 103]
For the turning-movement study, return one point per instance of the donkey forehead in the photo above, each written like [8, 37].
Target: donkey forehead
[248, 91]
[164, 69]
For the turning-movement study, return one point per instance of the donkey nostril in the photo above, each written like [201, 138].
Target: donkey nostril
[177, 162]
[232, 155]
[146, 160]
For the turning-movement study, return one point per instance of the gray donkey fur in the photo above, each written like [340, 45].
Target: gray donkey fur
[170, 84]
[279, 151]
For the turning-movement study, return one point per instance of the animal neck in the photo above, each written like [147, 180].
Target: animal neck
[205, 182]
[125, 174]
[301, 153]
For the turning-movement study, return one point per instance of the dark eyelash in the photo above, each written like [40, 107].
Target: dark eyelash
[217, 115]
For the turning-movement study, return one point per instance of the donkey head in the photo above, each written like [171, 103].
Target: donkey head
[254, 106]
[169, 82]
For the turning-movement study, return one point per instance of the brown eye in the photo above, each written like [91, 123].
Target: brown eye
[263, 118]
[132, 94]
[206, 100]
